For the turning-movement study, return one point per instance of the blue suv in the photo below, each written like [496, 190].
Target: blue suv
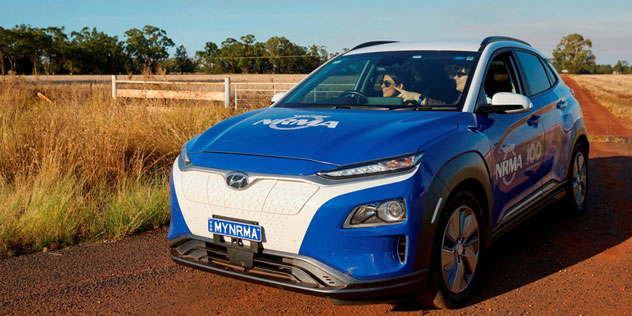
[384, 174]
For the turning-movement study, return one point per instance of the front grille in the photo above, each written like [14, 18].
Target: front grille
[268, 266]
[269, 196]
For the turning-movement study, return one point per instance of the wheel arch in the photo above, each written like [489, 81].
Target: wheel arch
[580, 135]
[582, 139]
[466, 171]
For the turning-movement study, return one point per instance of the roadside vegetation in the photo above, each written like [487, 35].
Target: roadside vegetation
[87, 167]
[52, 51]
[614, 92]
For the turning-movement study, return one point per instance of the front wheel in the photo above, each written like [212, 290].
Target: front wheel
[457, 252]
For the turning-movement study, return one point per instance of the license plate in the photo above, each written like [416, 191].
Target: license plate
[234, 229]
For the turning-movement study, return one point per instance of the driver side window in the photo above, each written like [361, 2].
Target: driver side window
[500, 77]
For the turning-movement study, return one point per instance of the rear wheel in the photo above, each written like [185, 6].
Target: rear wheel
[456, 254]
[577, 184]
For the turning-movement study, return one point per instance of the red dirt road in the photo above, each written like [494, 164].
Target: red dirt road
[550, 265]
[598, 120]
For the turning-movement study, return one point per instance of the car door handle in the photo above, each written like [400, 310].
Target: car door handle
[562, 104]
[534, 119]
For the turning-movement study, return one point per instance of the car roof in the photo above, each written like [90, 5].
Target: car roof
[471, 46]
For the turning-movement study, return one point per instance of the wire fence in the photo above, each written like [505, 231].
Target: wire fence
[235, 94]
[258, 94]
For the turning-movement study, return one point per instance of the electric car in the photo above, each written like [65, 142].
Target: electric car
[384, 174]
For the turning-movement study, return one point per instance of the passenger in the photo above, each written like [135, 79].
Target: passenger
[460, 78]
[393, 87]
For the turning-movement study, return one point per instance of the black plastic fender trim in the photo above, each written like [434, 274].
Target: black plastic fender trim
[469, 165]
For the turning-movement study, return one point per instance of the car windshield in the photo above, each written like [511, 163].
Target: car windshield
[401, 80]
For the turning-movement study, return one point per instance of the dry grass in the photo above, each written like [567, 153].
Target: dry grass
[610, 139]
[87, 167]
[614, 92]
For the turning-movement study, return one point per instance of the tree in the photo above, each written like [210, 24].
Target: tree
[573, 54]
[261, 64]
[95, 52]
[246, 55]
[621, 66]
[31, 44]
[23, 46]
[317, 56]
[58, 49]
[230, 52]
[209, 58]
[147, 46]
[183, 62]
[285, 55]
[7, 48]
[602, 69]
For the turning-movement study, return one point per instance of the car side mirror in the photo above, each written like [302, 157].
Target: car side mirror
[277, 96]
[507, 102]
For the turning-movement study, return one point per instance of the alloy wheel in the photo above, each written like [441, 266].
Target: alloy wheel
[579, 179]
[460, 249]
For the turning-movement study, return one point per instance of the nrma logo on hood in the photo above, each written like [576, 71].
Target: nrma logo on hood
[298, 122]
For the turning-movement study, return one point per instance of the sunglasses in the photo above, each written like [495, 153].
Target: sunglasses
[386, 83]
[460, 74]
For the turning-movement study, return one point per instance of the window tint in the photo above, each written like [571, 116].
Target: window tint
[534, 71]
[549, 72]
[500, 77]
[394, 79]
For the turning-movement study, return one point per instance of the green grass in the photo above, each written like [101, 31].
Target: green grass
[56, 211]
[87, 167]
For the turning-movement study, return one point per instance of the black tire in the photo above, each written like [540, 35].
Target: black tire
[442, 290]
[577, 184]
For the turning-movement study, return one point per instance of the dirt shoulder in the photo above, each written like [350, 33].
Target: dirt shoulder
[599, 121]
[551, 265]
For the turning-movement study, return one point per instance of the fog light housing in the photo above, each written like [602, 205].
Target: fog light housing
[377, 214]
[402, 245]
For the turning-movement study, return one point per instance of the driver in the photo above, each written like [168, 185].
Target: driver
[392, 85]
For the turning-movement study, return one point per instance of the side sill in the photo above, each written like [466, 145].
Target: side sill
[527, 208]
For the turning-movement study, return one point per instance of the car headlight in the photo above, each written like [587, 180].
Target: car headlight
[392, 164]
[185, 154]
[377, 214]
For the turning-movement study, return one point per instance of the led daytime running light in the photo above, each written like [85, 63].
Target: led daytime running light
[384, 166]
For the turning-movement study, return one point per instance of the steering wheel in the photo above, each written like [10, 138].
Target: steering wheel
[359, 96]
[411, 103]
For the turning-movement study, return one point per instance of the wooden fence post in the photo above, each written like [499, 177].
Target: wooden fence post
[227, 91]
[113, 86]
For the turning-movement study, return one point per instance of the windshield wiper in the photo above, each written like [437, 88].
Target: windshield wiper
[346, 106]
[433, 108]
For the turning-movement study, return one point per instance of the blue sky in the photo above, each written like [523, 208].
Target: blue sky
[339, 24]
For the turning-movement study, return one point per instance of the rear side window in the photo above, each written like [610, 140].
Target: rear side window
[534, 71]
[549, 72]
